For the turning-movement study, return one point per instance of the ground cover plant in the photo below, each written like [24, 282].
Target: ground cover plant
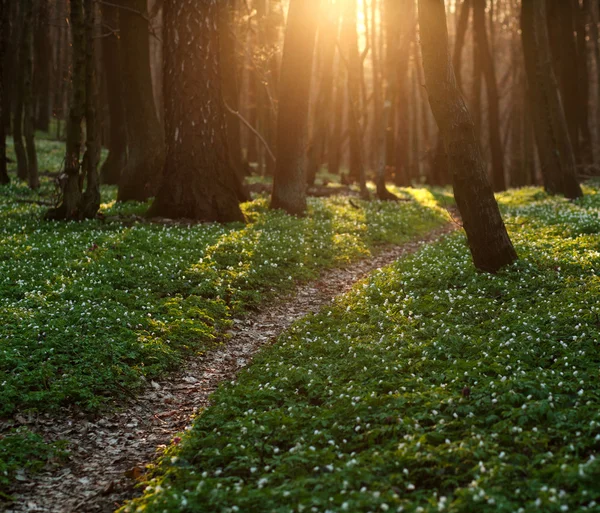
[90, 311]
[430, 387]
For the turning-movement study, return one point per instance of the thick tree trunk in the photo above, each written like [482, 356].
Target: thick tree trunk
[142, 175]
[72, 184]
[555, 152]
[117, 130]
[198, 180]
[289, 184]
[4, 32]
[488, 240]
[489, 72]
[26, 58]
[43, 65]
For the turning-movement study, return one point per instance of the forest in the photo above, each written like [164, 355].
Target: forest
[299, 256]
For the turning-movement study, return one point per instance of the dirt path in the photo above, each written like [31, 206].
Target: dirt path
[108, 453]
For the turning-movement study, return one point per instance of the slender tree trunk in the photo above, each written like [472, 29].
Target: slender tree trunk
[289, 184]
[198, 180]
[586, 154]
[142, 175]
[43, 65]
[90, 201]
[4, 32]
[72, 183]
[19, 100]
[459, 42]
[334, 154]
[117, 130]
[26, 62]
[489, 72]
[560, 18]
[328, 34]
[555, 152]
[488, 240]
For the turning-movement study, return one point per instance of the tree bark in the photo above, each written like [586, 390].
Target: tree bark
[328, 35]
[68, 209]
[26, 58]
[4, 32]
[289, 184]
[19, 99]
[555, 152]
[90, 201]
[142, 174]
[198, 180]
[43, 65]
[489, 73]
[488, 240]
[116, 161]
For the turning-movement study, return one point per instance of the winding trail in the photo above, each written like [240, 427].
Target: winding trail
[109, 453]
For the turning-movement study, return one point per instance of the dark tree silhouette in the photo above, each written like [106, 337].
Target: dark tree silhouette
[4, 33]
[488, 240]
[198, 182]
[555, 151]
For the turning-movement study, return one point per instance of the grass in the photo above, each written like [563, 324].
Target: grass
[429, 387]
[90, 311]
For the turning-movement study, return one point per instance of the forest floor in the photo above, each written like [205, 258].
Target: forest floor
[427, 387]
[95, 314]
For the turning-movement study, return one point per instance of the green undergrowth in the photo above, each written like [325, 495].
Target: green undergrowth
[90, 310]
[429, 387]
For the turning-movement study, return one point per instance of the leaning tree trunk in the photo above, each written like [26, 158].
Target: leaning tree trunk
[489, 73]
[71, 187]
[26, 58]
[198, 180]
[117, 125]
[488, 240]
[289, 183]
[555, 151]
[4, 24]
[142, 174]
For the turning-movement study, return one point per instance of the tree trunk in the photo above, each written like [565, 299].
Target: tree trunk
[116, 161]
[43, 65]
[555, 152]
[198, 180]
[459, 42]
[352, 59]
[142, 174]
[26, 58]
[72, 184]
[289, 184]
[19, 99]
[90, 201]
[488, 240]
[489, 72]
[583, 117]
[328, 34]
[334, 153]
[4, 32]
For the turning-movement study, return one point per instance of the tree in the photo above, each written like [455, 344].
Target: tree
[555, 151]
[26, 62]
[19, 97]
[487, 236]
[486, 60]
[117, 122]
[198, 180]
[77, 204]
[4, 31]
[142, 174]
[289, 184]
